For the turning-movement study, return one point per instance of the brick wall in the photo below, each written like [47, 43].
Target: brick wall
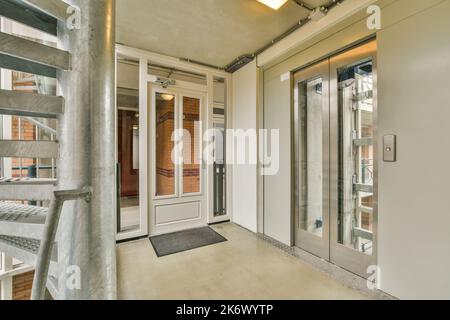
[191, 168]
[22, 286]
[165, 169]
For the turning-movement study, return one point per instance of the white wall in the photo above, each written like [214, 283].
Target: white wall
[127, 76]
[219, 90]
[414, 212]
[277, 188]
[245, 176]
[414, 95]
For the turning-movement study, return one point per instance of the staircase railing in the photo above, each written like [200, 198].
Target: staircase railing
[28, 232]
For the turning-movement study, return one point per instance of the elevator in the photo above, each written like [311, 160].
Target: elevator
[335, 165]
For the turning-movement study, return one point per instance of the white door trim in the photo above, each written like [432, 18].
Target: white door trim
[142, 231]
[144, 58]
[178, 198]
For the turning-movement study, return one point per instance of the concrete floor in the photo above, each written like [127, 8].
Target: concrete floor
[245, 267]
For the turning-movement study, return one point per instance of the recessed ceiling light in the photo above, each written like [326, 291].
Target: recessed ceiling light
[274, 4]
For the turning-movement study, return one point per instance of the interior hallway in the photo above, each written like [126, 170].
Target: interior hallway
[245, 267]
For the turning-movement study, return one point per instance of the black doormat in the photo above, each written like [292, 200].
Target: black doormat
[176, 242]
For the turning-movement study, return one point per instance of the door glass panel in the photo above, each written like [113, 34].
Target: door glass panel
[219, 170]
[128, 119]
[356, 156]
[311, 156]
[191, 145]
[135, 146]
[220, 120]
[165, 125]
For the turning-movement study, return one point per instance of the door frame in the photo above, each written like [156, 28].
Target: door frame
[144, 57]
[142, 231]
[179, 197]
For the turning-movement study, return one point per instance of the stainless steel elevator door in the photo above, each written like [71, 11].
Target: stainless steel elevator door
[335, 159]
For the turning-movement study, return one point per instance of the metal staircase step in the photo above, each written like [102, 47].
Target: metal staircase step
[30, 104]
[21, 65]
[27, 189]
[55, 8]
[363, 188]
[26, 250]
[363, 233]
[19, 220]
[27, 181]
[34, 51]
[363, 142]
[28, 15]
[29, 149]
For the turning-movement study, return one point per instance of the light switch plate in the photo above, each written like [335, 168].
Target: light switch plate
[285, 77]
[390, 148]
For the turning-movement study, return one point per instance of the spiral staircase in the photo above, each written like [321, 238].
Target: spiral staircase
[27, 232]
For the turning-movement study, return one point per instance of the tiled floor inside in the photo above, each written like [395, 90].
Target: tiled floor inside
[245, 267]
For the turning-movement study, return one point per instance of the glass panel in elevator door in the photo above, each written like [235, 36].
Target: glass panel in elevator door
[356, 156]
[311, 156]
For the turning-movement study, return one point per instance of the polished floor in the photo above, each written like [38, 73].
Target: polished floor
[245, 267]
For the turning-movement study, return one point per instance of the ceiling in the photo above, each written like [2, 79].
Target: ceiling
[210, 31]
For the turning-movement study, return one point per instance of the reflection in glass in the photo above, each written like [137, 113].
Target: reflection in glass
[191, 145]
[128, 156]
[220, 119]
[135, 147]
[219, 170]
[165, 125]
[356, 158]
[311, 156]
[127, 100]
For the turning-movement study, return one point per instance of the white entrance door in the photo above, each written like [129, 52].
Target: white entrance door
[178, 174]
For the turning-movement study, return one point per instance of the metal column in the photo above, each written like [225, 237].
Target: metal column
[87, 234]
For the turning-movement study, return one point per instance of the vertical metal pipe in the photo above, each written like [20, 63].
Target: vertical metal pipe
[6, 285]
[87, 231]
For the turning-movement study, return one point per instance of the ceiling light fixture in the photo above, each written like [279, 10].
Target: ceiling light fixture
[167, 97]
[274, 4]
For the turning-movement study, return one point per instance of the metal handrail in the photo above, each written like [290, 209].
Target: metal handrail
[49, 235]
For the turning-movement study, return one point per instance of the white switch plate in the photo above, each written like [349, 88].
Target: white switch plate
[285, 77]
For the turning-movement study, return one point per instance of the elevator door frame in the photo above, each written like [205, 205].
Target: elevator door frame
[328, 247]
